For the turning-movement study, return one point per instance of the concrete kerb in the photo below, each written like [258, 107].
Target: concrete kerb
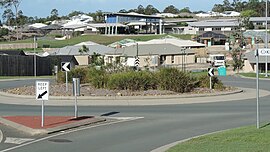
[126, 97]
[33, 132]
[1, 136]
[168, 146]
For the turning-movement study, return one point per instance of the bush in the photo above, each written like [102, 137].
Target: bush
[174, 80]
[132, 80]
[204, 82]
[81, 73]
[98, 77]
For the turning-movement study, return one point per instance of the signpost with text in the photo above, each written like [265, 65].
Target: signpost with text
[42, 93]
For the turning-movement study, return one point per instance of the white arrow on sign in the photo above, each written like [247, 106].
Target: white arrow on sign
[66, 66]
[210, 72]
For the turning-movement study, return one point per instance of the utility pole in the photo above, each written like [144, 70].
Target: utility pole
[266, 37]
[35, 58]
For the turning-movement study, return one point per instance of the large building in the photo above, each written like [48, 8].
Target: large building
[135, 23]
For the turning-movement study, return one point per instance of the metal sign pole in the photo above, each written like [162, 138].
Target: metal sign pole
[257, 88]
[75, 94]
[42, 114]
[210, 82]
[66, 81]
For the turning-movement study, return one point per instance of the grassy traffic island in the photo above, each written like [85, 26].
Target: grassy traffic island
[245, 139]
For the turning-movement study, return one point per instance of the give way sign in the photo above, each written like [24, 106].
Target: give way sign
[42, 90]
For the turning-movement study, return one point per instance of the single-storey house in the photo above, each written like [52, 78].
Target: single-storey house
[250, 62]
[151, 55]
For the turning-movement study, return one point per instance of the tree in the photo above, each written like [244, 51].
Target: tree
[123, 11]
[8, 16]
[171, 9]
[185, 10]
[238, 61]
[245, 16]
[74, 13]
[54, 14]
[140, 9]
[150, 10]
[8, 4]
[83, 49]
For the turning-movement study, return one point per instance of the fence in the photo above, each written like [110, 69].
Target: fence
[17, 46]
[24, 66]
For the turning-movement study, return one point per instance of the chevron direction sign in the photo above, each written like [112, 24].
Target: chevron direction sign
[65, 66]
[210, 72]
[42, 90]
[137, 61]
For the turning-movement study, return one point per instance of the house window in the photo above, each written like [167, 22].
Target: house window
[217, 29]
[201, 29]
[172, 58]
[259, 23]
[162, 59]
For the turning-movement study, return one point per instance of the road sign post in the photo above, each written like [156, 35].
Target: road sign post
[42, 94]
[76, 92]
[257, 54]
[210, 74]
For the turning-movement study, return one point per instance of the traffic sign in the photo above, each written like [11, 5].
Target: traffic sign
[137, 61]
[42, 90]
[210, 72]
[264, 52]
[65, 66]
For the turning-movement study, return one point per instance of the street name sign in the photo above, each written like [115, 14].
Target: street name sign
[42, 90]
[264, 52]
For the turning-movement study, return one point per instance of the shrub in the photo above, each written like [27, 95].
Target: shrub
[132, 80]
[204, 82]
[81, 73]
[98, 77]
[174, 80]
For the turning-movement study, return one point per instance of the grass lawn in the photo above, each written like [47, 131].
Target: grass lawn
[100, 39]
[245, 139]
[253, 75]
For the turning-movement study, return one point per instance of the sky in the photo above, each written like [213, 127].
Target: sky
[42, 8]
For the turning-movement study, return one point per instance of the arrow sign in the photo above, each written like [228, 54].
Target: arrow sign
[42, 90]
[65, 66]
[210, 72]
[41, 95]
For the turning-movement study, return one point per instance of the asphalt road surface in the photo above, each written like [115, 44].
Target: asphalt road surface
[159, 125]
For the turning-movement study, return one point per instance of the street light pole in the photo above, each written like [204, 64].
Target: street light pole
[266, 37]
[35, 58]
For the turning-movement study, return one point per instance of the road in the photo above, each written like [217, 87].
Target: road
[159, 126]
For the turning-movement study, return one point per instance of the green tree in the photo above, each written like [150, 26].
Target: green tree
[171, 9]
[238, 61]
[8, 4]
[83, 49]
[54, 14]
[140, 9]
[74, 13]
[185, 10]
[150, 10]
[245, 16]
[97, 59]
[8, 16]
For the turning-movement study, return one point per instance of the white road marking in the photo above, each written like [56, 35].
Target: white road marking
[125, 118]
[67, 132]
[17, 141]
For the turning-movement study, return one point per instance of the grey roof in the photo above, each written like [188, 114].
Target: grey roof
[74, 50]
[213, 24]
[250, 56]
[74, 26]
[256, 34]
[258, 19]
[153, 49]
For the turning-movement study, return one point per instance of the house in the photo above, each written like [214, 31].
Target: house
[250, 62]
[151, 55]
[223, 26]
[259, 22]
[83, 58]
[211, 38]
